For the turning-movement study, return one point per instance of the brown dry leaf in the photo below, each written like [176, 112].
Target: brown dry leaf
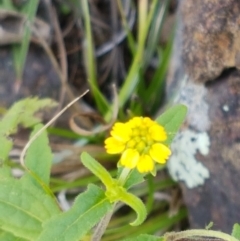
[12, 27]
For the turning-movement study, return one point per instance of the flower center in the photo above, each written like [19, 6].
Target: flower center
[140, 140]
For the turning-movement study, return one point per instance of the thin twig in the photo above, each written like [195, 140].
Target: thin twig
[101, 227]
[77, 129]
[45, 127]
[203, 233]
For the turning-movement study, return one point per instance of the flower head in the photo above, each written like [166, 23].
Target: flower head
[140, 142]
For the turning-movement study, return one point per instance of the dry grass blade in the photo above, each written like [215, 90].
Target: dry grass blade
[102, 128]
[56, 66]
[46, 126]
[119, 36]
[15, 34]
[63, 56]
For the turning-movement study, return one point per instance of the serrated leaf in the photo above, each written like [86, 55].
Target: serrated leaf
[5, 148]
[236, 231]
[29, 106]
[24, 207]
[22, 113]
[39, 156]
[88, 209]
[5, 236]
[172, 120]
[144, 237]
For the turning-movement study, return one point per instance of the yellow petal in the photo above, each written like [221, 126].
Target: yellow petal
[129, 158]
[159, 153]
[114, 146]
[121, 132]
[145, 164]
[147, 121]
[157, 133]
[135, 122]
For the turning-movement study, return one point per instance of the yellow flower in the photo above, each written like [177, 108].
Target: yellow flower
[139, 141]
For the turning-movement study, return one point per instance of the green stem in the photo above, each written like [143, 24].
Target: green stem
[101, 227]
[199, 233]
[132, 79]
[123, 176]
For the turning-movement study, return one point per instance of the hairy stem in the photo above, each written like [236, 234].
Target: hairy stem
[198, 233]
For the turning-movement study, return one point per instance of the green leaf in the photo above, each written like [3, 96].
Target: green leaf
[155, 29]
[23, 207]
[97, 169]
[151, 192]
[115, 192]
[63, 133]
[5, 172]
[89, 59]
[236, 231]
[28, 107]
[21, 113]
[136, 204]
[20, 50]
[209, 226]
[144, 237]
[133, 77]
[5, 236]
[155, 91]
[172, 120]
[130, 83]
[5, 148]
[6, 4]
[88, 209]
[39, 156]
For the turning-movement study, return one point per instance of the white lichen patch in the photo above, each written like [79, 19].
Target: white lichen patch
[183, 165]
[193, 95]
[225, 108]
